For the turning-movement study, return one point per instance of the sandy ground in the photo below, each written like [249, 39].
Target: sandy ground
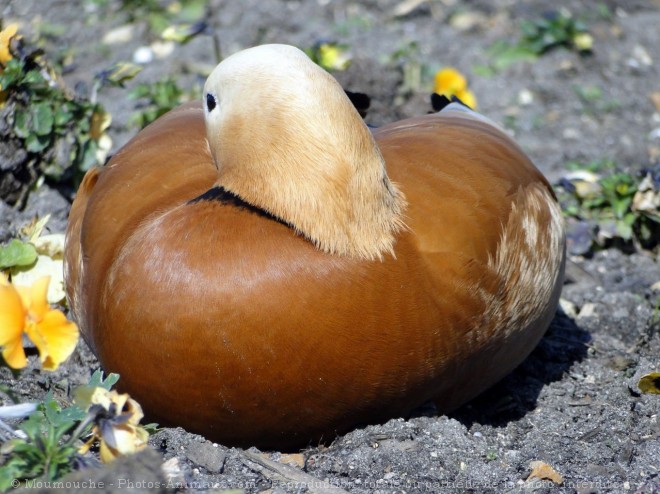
[573, 403]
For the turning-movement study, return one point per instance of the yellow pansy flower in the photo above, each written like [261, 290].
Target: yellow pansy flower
[450, 82]
[12, 322]
[5, 36]
[26, 310]
[117, 427]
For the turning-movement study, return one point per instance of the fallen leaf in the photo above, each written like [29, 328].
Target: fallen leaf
[655, 98]
[543, 471]
[650, 383]
[45, 266]
[51, 245]
[295, 459]
[34, 229]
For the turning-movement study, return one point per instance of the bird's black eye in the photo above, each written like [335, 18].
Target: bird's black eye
[210, 102]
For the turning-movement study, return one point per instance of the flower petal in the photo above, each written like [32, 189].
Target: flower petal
[14, 355]
[467, 97]
[449, 81]
[5, 36]
[107, 453]
[38, 294]
[128, 439]
[12, 323]
[55, 338]
[34, 296]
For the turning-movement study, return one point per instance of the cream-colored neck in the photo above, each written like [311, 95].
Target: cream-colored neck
[339, 199]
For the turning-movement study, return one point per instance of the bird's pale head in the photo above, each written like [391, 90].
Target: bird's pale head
[286, 138]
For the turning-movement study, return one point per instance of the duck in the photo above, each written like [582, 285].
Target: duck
[264, 269]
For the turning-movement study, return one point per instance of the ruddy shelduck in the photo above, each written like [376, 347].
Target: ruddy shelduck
[264, 269]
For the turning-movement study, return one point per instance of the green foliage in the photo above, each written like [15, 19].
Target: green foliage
[17, 253]
[53, 125]
[557, 29]
[594, 101]
[97, 380]
[49, 446]
[502, 54]
[45, 452]
[611, 204]
[161, 15]
[157, 99]
[491, 455]
[594, 166]
[408, 58]
[329, 55]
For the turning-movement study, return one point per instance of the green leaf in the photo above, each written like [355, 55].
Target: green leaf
[35, 425]
[624, 230]
[63, 114]
[9, 472]
[505, 54]
[119, 74]
[86, 157]
[12, 74]
[42, 119]
[483, 70]
[62, 419]
[35, 143]
[152, 428]
[17, 253]
[34, 78]
[192, 10]
[21, 123]
[97, 380]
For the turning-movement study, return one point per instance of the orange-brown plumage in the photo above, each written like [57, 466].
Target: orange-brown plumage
[232, 320]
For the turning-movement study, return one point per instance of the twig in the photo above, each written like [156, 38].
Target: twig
[279, 472]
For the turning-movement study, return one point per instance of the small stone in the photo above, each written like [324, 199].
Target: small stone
[588, 310]
[119, 35]
[466, 21]
[655, 98]
[569, 308]
[570, 133]
[172, 470]
[143, 55]
[162, 49]
[641, 55]
[525, 97]
[207, 456]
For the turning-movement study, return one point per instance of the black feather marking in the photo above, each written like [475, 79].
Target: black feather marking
[439, 101]
[222, 195]
[360, 101]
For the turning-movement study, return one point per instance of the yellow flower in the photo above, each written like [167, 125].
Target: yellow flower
[333, 57]
[5, 36]
[117, 425]
[12, 321]
[26, 310]
[450, 82]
